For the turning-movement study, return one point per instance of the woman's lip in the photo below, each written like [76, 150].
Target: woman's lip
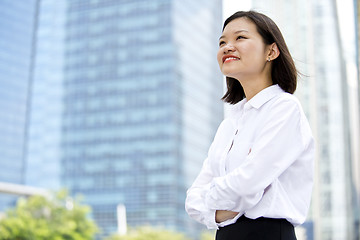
[229, 58]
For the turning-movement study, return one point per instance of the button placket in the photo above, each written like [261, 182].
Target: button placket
[232, 142]
[230, 146]
[224, 158]
[226, 153]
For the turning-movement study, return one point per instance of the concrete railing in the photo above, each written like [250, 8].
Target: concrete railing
[21, 190]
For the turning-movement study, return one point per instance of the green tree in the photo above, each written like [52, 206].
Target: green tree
[149, 233]
[56, 217]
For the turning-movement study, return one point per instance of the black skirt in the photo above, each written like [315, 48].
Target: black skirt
[257, 229]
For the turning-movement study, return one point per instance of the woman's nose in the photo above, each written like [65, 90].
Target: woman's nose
[228, 48]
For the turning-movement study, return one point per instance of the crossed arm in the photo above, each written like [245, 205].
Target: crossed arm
[217, 199]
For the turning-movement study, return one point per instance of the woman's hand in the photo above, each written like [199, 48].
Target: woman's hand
[222, 215]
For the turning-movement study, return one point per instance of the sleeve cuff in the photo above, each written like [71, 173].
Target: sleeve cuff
[210, 220]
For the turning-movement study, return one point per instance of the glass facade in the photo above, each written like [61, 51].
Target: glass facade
[44, 135]
[140, 106]
[17, 26]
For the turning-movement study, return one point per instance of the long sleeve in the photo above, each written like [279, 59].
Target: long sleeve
[194, 204]
[277, 146]
[195, 199]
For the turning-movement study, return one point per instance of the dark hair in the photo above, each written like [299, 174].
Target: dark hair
[283, 70]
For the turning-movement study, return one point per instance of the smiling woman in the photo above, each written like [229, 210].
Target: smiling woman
[242, 53]
[251, 33]
[257, 180]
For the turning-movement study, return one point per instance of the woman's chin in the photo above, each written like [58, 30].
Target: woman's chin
[231, 75]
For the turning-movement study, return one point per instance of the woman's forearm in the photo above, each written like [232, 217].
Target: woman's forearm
[223, 215]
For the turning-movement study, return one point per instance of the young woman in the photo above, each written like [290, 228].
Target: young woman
[257, 180]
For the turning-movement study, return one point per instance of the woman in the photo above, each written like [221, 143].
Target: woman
[257, 180]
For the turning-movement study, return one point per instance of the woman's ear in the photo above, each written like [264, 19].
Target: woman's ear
[273, 52]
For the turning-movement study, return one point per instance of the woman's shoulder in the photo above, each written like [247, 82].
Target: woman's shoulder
[287, 97]
[287, 101]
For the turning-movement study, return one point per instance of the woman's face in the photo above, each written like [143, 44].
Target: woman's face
[242, 52]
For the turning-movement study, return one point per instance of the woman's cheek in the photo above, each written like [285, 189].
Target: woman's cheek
[219, 60]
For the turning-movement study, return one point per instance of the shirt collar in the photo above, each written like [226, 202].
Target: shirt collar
[263, 96]
[257, 101]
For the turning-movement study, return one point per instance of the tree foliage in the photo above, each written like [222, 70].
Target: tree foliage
[152, 233]
[56, 217]
[149, 233]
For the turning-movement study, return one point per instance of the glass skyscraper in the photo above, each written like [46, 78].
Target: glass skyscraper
[45, 118]
[17, 29]
[141, 99]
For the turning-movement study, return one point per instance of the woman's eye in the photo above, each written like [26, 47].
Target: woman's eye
[240, 37]
[221, 43]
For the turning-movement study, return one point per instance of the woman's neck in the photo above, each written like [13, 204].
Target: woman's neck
[254, 86]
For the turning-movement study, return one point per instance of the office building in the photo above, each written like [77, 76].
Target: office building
[141, 99]
[44, 134]
[17, 29]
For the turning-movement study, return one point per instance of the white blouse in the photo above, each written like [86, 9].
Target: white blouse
[260, 163]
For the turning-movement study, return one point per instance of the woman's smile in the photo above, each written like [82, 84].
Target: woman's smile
[229, 58]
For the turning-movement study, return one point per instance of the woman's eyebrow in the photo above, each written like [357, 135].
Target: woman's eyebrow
[236, 32]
